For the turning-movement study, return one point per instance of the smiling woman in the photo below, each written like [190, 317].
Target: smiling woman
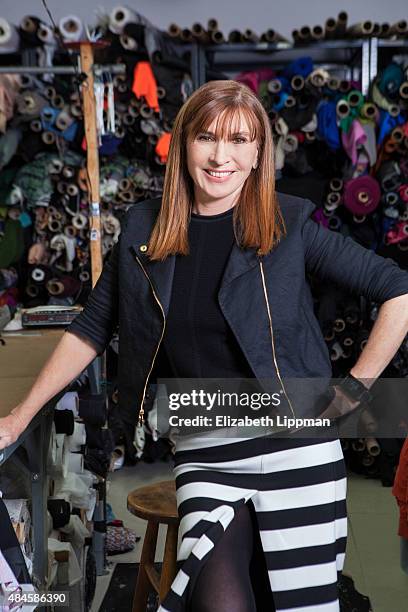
[219, 163]
[220, 157]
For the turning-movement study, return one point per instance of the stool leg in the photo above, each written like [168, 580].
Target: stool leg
[143, 586]
[169, 567]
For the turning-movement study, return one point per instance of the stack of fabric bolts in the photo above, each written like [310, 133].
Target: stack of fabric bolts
[43, 178]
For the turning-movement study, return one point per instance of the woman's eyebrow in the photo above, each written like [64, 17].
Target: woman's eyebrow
[234, 134]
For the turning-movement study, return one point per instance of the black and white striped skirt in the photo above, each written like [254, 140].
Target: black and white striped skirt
[298, 489]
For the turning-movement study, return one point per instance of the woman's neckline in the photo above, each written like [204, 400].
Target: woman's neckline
[223, 215]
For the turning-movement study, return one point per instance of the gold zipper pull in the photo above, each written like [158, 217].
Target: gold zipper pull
[141, 417]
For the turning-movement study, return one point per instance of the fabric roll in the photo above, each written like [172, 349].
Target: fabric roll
[9, 38]
[389, 175]
[71, 28]
[58, 456]
[75, 462]
[64, 422]
[60, 511]
[353, 139]
[92, 409]
[69, 401]
[327, 124]
[78, 438]
[362, 195]
[119, 17]
[390, 80]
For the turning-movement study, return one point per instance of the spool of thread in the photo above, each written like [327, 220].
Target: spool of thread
[71, 28]
[9, 38]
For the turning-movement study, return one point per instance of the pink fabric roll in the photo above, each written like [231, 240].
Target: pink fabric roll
[353, 139]
[362, 195]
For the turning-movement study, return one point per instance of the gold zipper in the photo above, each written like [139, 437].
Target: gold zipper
[272, 338]
[141, 410]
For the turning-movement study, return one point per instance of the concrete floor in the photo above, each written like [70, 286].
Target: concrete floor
[372, 556]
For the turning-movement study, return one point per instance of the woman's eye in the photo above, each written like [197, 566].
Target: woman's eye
[239, 140]
[204, 137]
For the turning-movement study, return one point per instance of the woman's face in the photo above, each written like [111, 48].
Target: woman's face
[219, 168]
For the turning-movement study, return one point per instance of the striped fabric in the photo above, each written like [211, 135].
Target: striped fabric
[298, 489]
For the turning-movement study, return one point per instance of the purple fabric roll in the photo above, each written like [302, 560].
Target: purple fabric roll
[362, 195]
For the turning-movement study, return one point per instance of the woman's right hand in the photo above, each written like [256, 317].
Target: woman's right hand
[11, 427]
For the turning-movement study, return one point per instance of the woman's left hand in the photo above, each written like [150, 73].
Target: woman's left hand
[340, 406]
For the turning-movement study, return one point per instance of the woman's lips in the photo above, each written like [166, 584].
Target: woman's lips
[219, 179]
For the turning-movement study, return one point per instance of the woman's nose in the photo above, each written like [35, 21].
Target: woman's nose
[219, 154]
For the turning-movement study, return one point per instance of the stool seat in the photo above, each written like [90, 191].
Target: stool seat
[155, 502]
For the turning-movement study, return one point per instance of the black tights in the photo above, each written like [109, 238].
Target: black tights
[234, 579]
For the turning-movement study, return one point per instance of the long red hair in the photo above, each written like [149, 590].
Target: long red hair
[258, 221]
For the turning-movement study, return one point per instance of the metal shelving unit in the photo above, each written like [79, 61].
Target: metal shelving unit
[358, 58]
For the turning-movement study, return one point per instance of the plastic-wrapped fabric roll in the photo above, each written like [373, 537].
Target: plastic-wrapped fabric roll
[69, 401]
[9, 38]
[75, 462]
[71, 28]
[58, 456]
[78, 438]
[389, 175]
[390, 80]
[362, 195]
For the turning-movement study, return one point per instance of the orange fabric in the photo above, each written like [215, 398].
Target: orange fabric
[144, 84]
[400, 490]
[162, 146]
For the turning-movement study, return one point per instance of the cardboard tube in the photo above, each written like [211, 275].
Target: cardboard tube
[364, 28]
[400, 28]
[345, 86]
[342, 109]
[341, 24]
[235, 36]
[334, 222]
[318, 77]
[48, 138]
[64, 120]
[333, 200]
[336, 184]
[290, 102]
[70, 231]
[333, 83]
[29, 24]
[274, 86]
[373, 448]
[394, 110]
[305, 33]
[297, 82]
[199, 33]
[119, 17]
[250, 36]
[35, 125]
[403, 90]
[369, 111]
[330, 28]
[174, 30]
[128, 43]
[217, 37]
[385, 30]
[58, 101]
[296, 36]
[317, 32]
[358, 445]
[46, 34]
[398, 134]
[186, 35]
[71, 28]
[212, 25]
[9, 38]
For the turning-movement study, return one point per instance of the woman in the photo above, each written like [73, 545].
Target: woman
[209, 281]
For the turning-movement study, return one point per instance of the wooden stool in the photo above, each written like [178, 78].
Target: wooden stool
[157, 504]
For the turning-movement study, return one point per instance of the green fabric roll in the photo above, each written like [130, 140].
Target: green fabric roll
[11, 244]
